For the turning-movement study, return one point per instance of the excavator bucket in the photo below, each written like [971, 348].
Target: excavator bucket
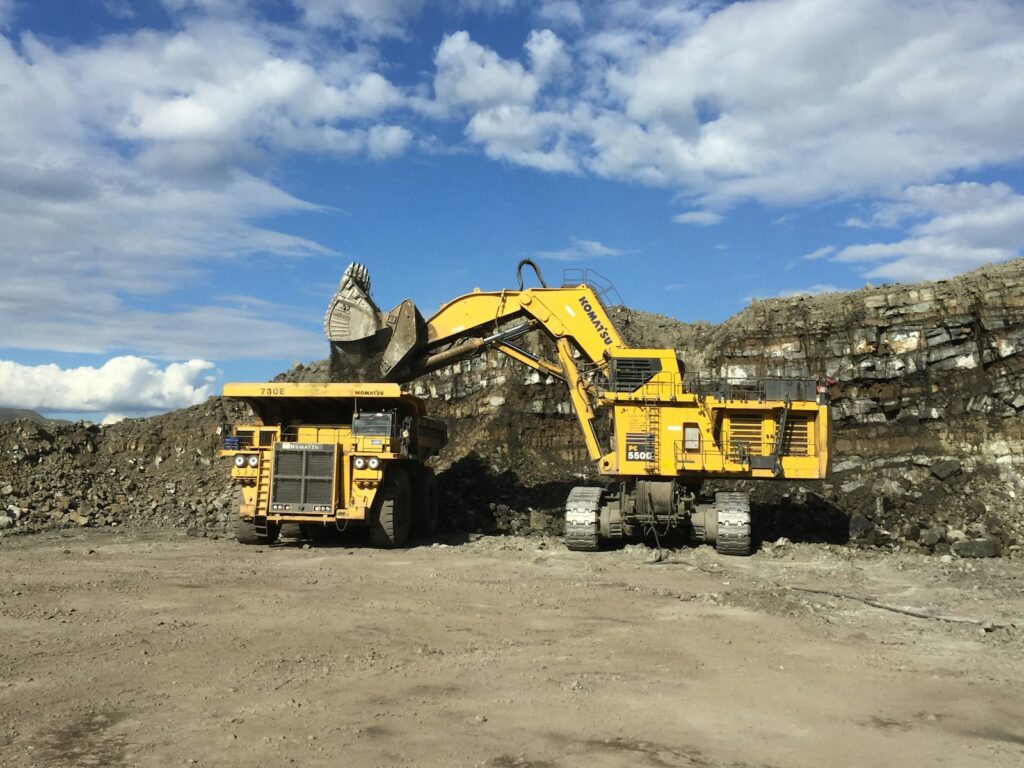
[351, 314]
[366, 344]
[408, 333]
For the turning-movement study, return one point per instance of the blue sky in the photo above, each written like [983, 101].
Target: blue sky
[182, 182]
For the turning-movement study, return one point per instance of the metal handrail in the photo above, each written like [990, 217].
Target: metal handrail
[739, 451]
[667, 386]
[603, 287]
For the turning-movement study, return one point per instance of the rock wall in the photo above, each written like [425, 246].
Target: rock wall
[928, 398]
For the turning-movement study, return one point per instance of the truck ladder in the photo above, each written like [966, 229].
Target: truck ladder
[262, 496]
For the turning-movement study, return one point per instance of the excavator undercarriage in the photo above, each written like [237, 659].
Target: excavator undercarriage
[671, 430]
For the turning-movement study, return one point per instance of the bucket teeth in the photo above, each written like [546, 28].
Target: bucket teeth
[351, 314]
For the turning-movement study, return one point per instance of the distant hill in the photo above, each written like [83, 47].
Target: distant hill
[13, 414]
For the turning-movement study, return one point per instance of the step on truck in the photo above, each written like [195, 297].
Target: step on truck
[331, 458]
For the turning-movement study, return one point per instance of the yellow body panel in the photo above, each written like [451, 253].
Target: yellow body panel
[683, 439]
[244, 391]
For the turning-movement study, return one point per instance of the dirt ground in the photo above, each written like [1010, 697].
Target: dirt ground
[156, 650]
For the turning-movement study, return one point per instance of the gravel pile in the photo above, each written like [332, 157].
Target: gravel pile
[156, 472]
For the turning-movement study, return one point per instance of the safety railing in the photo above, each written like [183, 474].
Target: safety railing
[598, 283]
[668, 386]
[734, 452]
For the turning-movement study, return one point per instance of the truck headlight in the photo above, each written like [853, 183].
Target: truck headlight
[239, 461]
[374, 462]
[254, 461]
[359, 462]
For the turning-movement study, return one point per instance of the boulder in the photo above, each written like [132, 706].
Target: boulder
[987, 547]
[945, 468]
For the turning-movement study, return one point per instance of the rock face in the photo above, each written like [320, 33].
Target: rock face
[928, 407]
[928, 403]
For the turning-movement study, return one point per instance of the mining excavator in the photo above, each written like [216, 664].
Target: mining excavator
[670, 430]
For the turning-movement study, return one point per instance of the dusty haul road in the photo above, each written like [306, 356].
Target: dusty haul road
[157, 650]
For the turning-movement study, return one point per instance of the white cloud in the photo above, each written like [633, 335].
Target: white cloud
[125, 175]
[661, 96]
[82, 323]
[384, 141]
[775, 125]
[815, 255]
[956, 227]
[471, 75]
[658, 95]
[250, 92]
[371, 17]
[207, 6]
[667, 19]
[561, 12]
[122, 384]
[548, 56]
[488, 6]
[819, 253]
[519, 135]
[700, 218]
[579, 250]
[811, 290]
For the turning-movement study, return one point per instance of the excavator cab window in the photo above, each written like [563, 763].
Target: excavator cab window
[365, 423]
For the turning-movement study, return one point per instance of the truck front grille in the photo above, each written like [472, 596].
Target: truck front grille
[303, 474]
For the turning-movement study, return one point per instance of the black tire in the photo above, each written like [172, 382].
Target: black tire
[317, 532]
[390, 514]
[246, 532]
[424, 504]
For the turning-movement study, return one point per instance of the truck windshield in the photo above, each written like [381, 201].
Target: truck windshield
[372, 424]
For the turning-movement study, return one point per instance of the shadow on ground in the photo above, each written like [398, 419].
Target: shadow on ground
[475, 499]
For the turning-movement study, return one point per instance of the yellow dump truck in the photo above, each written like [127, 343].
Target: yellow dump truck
[333, 456]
